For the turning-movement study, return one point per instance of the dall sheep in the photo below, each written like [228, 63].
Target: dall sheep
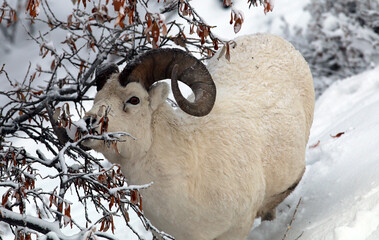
[217, 163]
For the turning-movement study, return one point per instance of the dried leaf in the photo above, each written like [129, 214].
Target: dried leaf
[14, 15]
[102, 178]
[89, 28]
[119, 21]
[315, 145]
[222, 52]
[237, 25]
[111, 203]
[155, 32]
[112, 224]
[33, 77]
[191, 28]
[33, 8]
[102, 225]
[52, 66]
[115, 148]
[127, 217]
[268, 7]
[148, 19]
[215, 43]
[140, 203]
[164, 30]
[106, 226]
[67, 211]
[68, 109]
[5, 198]
[227, 55]
[2, 16]
[69, 20]
[130, 15]
[44, 55]
[134, 196]
[337, 135]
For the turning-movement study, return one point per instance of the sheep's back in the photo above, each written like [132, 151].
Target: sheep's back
[266, 91]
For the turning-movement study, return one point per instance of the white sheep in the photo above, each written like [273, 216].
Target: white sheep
[213, 175]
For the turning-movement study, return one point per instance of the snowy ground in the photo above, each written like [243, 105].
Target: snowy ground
[340, 189]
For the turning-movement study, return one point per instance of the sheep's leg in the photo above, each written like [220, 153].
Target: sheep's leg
[269, 215]
[268, 212]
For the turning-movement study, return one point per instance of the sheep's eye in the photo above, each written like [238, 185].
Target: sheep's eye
[134, 100]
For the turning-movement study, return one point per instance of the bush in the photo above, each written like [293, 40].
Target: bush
[341, 40]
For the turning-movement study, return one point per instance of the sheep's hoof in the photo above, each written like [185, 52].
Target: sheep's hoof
[269, 216]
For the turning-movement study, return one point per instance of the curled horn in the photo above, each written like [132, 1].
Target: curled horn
[159, 64]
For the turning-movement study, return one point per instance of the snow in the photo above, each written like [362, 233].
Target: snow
[340, 188]
[339, 193]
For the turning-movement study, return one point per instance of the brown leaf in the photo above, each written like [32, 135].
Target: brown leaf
[112, 224]
[2, 16]
[5, 198]
[267, 7]
[52, 66]
[102, 178]
[227, 55]
[37, 92]
[134, 196]
[127, 217]
[68, 109]
[69, 20]
[115, 147]
[130, 15]
[155, 32]
[119, 21]
[111, 203]
[222, 52]
[33, 77]
[140, 203]
[106, 227]
[237, 25]
[338, 135]
[315, 145]
[14, 15]
[191, 29]
[215, 43]
[102, 225]
[67, 211]
[164, 30]
[89, 28]
[44, 55]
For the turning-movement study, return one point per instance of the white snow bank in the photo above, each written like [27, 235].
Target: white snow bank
[340, 188]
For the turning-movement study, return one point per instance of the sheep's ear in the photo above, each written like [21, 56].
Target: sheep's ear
[158, 94]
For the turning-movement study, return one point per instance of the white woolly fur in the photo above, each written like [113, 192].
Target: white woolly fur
[214, 175]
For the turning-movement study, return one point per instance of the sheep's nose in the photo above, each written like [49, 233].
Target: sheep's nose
[90, 120]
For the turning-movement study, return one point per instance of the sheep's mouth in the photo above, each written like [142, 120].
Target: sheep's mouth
[96, 127]
[91, 132]
[91, 135]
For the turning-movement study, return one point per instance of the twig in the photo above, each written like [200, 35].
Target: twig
[292, 219]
